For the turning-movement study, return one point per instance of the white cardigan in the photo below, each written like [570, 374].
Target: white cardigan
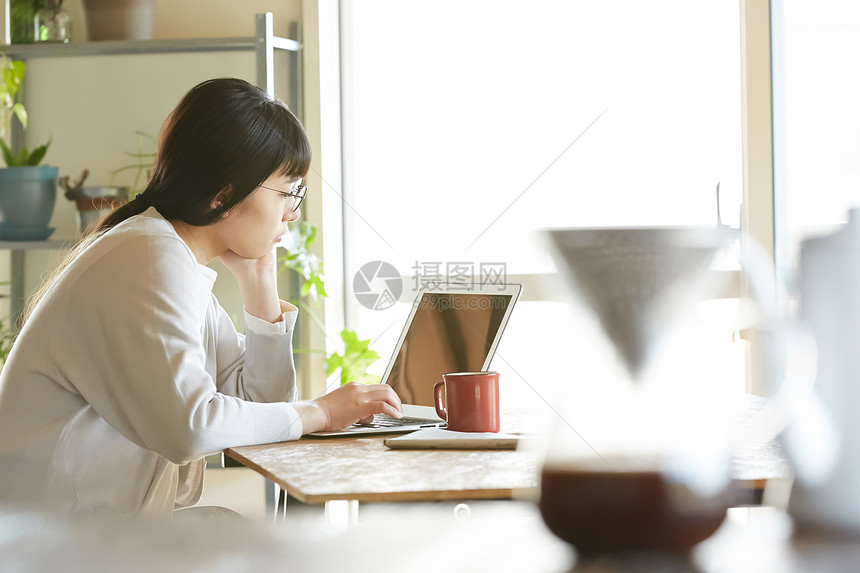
[129, 372]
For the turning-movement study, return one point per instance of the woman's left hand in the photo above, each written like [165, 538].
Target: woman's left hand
[257, 280]
[251, 269]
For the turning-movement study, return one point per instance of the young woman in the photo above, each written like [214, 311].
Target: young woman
[127, 371]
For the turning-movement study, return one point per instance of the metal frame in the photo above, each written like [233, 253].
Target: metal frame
[265, 45]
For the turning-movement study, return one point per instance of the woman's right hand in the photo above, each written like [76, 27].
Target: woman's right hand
[351, 403]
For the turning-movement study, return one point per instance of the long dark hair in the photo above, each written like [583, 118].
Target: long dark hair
[225, 135]
[224, 139]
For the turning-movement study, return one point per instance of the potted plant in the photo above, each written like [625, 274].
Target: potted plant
[93, 202]
[119, 19]
[357, 357]
[27, 190]
[22, 14]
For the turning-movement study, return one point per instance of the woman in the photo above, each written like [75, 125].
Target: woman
[127, 371]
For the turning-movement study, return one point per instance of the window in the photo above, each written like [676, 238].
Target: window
[470, 126]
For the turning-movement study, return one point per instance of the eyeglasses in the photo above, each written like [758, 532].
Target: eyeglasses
[297, 193]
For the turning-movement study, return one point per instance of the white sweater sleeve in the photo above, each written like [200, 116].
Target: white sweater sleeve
[258, 366]
[135, 353]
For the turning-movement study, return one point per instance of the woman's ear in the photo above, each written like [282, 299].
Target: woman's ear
[222, 197]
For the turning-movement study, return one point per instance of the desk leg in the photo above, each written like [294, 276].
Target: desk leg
[271, 495]
[278, 499]
[342, 514]
[283, 499]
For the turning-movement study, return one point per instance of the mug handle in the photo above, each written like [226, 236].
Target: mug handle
[793, 411]
[437, 394]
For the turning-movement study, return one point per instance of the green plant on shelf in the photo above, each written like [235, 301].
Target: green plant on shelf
[357, 357]
[11, 106]
[144, 163]
[22, 14]
[24, 157]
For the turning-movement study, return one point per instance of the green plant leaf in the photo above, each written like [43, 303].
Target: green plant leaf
[21, 158]
[38, 154]
[9, 86]
[367, 378]
[143, 166]
[11, 80]
[24, 157]
[18, 69]
[13, 74]
[20, 113]
[298, 258]
[333, 362]
[315, 286]
[357, 356]
[354, 361]
[8, 156]
[311, 234]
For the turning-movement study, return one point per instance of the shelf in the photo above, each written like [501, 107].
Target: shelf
[47, 50]
[263, 45]
[35, 245]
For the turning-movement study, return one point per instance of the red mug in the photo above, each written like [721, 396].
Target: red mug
[472, 401]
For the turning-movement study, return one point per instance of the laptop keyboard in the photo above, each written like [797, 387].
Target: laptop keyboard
[386, 421]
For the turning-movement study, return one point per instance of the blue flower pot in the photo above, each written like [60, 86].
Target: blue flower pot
[27, 199]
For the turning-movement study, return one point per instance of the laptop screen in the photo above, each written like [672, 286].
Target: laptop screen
[449, 332]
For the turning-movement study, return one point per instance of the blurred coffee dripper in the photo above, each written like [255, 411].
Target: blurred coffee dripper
[657, 473]
[638, 280]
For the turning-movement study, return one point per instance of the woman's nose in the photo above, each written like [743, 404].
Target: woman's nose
[290, 216]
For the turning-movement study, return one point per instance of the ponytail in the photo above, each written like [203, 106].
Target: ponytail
[125, 211]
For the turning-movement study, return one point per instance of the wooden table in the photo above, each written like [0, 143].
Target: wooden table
[315, 470]
[364, 469]
[318, 470]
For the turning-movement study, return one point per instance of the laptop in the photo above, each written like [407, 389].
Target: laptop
[451, 328]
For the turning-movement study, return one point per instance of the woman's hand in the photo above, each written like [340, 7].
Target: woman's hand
[258, 283]
[347, 405]
[251, 269]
